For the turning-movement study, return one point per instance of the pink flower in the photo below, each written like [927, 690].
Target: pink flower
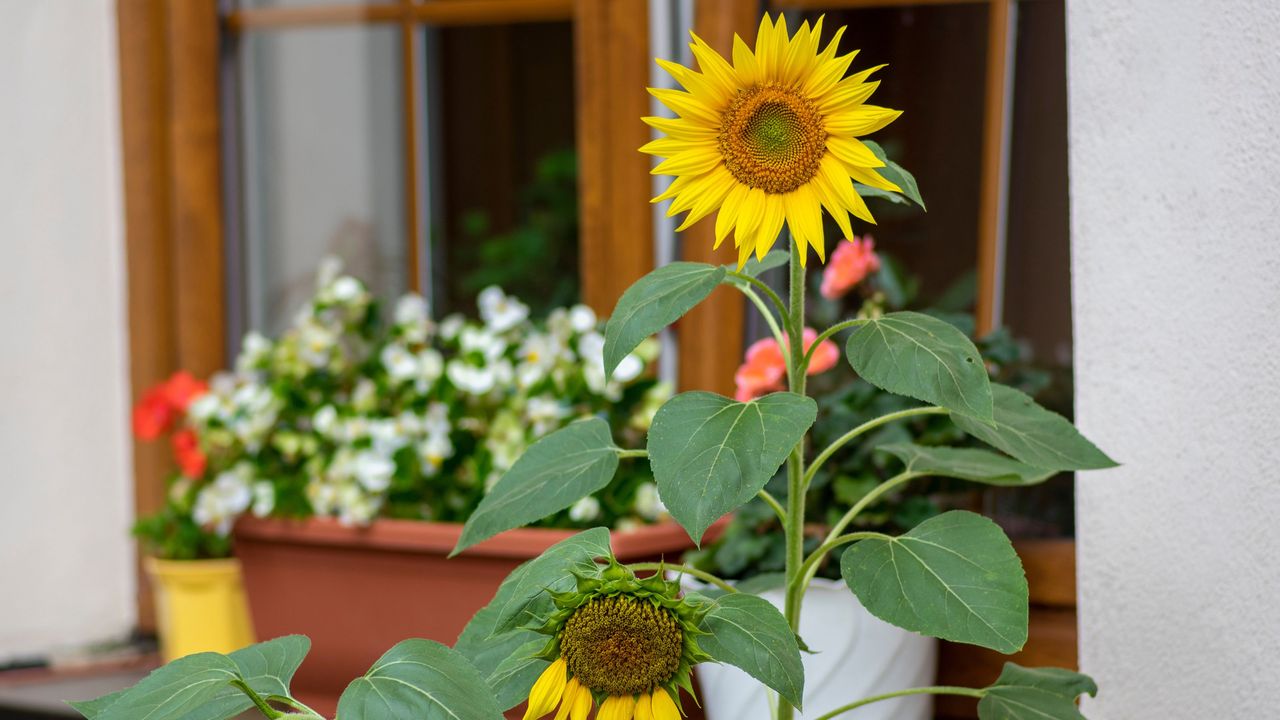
[765, 369]
[850, 264]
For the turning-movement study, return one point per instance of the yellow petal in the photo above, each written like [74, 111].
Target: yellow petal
[828, 198]
[715, 68]
[728, 214]
[770, 225]
[677, 186]
[644, 707]
[696, 83]
[862, 120]
[745, 63]
[749, 217]
[799, 57]
[867, 176]
[664, 708]
[617, 707]
[547, 690]
[687, 105]
[681, 129]
[851, 151]
[745, 248]
[845, 95]
[668, 147]
[570, 695]
[804, 217]
[582, 705]
[711, 196]
[689, 162]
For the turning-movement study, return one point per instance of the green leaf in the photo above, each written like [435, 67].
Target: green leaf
[710, 454]
[896, 174]
[867, 191]
[971, 464]
[654, 302]
[514, 677]
[169, 692]
[954, 577]
[523, 597]
[913, 354]
[267, 668]
[419, 679]
[754, 267]
[492, 652]
[1034, 435]
[95, 707]
[748, 632]
[554, 473]
[1035, 694]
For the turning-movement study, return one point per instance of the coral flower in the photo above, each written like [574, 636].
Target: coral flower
[850, 264]
[765, 368]
[186, 448]
[770, 139]
[181, 388]
[153, 415]
[627, 641]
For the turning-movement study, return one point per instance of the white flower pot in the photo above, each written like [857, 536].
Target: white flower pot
[855, 655]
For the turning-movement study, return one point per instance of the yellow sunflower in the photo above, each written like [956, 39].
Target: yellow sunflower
[770, 138]
[624, 643]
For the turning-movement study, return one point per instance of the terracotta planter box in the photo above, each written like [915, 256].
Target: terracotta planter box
[358, 591]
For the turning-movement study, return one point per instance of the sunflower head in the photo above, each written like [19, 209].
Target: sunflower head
[625, 643]
[770, 139]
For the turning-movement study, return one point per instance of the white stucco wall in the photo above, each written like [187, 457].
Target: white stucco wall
[1175, 193]
[66, 572]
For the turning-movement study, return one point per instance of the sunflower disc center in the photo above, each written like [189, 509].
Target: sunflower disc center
[772, 138]
[622, 646]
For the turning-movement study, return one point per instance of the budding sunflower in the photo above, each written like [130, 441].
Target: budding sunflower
[624, 643]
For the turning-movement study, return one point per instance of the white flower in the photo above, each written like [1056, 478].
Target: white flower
[451, 326]
[253, 350]
[325, 421]
[430, 368]
[582, 318]
[364, 397]
[373, 470]
[347, 289]
[412, 309]
[482, 341]
[388, 436]
[323, 496]
[591, 350]
[433, 452]
[401, 365]
[436, 420]
[219, 503]
[500, 311]
[469, 378]
[560, 324]
[585, 510]
[648, 504]
[264, 498]
[538, 355]
[315, 343]
[328, 271]
[544, 413]
[204, 407]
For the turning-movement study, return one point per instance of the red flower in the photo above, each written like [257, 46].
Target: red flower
[850, 264]
[765, 367]
[181, 388]
[186, 448]
[153, 415]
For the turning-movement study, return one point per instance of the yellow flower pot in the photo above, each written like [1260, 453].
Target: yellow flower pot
[200, 606]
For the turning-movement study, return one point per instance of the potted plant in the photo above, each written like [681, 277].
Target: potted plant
[852, 649]
[574, 630]
[365, 443]
[197, 585]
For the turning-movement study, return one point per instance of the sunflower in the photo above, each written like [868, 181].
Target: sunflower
[770, 138]
[624, 643]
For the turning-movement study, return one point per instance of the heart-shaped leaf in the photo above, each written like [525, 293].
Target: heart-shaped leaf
[710, 454]
[1034, 435]
[554, 473]
[516, 674]
[954, 576]
[748, 632]
[920, 356]
[654, 302]
[267, 668]
[493, 653]
[170, 692]
[419, 679]
[971, 464]
[1035, 694]
[523, 597]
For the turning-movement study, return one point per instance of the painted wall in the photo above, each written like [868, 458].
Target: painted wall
[66, 562]
[1175, 193]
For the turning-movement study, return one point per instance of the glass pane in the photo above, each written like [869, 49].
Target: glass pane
[503, 190]
[323, 164]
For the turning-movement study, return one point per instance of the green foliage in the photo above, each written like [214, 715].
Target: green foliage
[955, 576]
[746, 631]
[420, 679]
[554, 473]
[894, 173]
[970, 464]
[711, 454]
[173, 534]
[1035, 694]
[654, 302]
[1034, 435]
[920, 356]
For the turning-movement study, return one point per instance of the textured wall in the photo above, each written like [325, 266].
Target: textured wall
[66, 562]
[1175, 193]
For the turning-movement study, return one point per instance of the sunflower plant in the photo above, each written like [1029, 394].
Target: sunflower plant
[766, 141]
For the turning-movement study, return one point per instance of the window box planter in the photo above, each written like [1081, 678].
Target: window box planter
[358, 591]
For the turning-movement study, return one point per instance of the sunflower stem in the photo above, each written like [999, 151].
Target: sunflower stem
[936, 690]
[795, 466]
[690, 571]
